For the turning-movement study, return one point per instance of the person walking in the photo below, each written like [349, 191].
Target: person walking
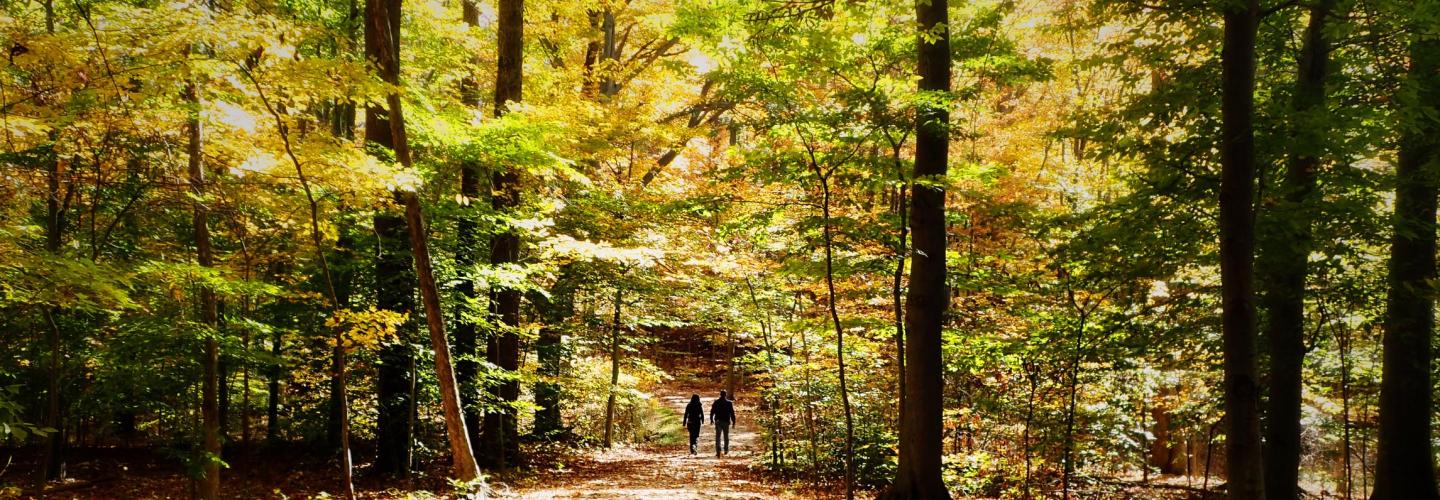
[722, 414]
[694, 416]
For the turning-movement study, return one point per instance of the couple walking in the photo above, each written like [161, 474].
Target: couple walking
[722, 414]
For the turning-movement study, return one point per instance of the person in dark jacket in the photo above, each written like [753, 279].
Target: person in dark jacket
[694, 416]
[722, 414]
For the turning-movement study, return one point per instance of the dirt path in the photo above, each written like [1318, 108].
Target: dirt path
[669, 471]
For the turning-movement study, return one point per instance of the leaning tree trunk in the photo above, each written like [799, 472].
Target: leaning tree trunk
[921, 428]
[1404, 462]
[382, 37]
[1285, 264]
[1237, 252]
[464, 461]
[501, 435]
[210, 357]
[839, 332]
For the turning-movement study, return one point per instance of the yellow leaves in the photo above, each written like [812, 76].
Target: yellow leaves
[260, 162]
[366, 328]
[23, 133]
[231, 116]
[567, 247]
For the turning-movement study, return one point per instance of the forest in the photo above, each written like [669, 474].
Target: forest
[931, 248]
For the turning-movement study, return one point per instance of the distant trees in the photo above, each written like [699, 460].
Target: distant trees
[1088, 183]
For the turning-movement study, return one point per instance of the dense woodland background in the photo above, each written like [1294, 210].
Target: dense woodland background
[997, 248]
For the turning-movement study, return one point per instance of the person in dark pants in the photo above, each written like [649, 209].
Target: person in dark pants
[722, 414]
[694, 416]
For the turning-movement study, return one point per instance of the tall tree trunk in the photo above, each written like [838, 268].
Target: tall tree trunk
[1404, 462]
[382, 29]
[342, 125]
[1076, 356]
[839, 332]
[774, 405]
[1343, 338]
[897, 284]
[1285, 263]
[1237, 252]
[395, 280]
[395, 291]
[614, 369]
[501, 435]
[245, 383]
[52, 448]
[921, 428]
[464, 464]
[210, 356]
[467, 255]
[223, 383]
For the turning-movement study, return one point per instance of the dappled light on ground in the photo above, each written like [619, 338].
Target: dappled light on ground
[668, 471]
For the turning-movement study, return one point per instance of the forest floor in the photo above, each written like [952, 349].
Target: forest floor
[664, 469]
[668, 470]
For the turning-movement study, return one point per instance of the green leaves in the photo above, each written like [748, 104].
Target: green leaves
[11, 425]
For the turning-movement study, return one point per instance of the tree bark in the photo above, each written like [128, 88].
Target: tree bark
[395, 280]
[501, 435]
[614, 369]
[210, 356]
[1285, 263]
[897, 284]
[52, 447]
[1076, 356]
[382, 39]
[839, 333]
[921, 428]
[1404, 462]
[464, 461]
[343, 276]
[467, 255]
[1237, 251]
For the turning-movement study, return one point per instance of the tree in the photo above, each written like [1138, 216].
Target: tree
[382, 28]
[1405, 462]
[1284, 259]
[918, 475]
[501, 435]
[210, 357]
[395, 280]
[1237, 251]
[467, 254]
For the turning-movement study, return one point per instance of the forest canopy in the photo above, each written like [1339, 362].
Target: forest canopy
[930, 248]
